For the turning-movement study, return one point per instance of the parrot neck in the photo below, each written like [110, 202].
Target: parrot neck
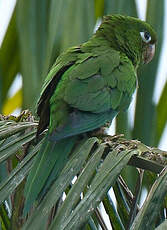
[119, 43]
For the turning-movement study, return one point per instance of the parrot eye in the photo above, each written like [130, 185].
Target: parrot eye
[146, 37]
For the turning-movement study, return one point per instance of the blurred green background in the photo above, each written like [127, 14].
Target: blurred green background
[40, 30]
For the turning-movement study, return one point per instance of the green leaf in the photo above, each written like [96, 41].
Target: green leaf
[162, 226]
[147, 164]
[161, 115]
[32, 31]
[4, 218]
[12, 146]
[112, 214]
[54, 32]
[103, 180]
[9, 59]
[91, 225]
[10, 128]
[99, 8]
[147, 214]
[77, 24]
[79, 21]
[17, 175]
[122, 124]
[74, 194]
[127, 7]
[122, 205]
[144, 128]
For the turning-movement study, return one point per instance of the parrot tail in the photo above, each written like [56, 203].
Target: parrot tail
[48, 164]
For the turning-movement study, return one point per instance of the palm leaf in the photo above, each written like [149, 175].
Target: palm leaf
[34, 38]
[161, 115]
[97, 164]
[144, 127]
[9, 59]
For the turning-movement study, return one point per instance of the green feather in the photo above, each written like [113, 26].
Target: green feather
[79, 122]
[52, 156]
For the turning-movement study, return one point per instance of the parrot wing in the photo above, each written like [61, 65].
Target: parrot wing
[82, 122]
[63, 62]
[95, 90]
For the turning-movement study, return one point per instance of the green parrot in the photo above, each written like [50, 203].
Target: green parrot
[86, 87]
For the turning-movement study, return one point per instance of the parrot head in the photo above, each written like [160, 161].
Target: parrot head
[148, 46]
[130, 35]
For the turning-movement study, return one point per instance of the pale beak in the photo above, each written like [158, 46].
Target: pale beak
[149, 53]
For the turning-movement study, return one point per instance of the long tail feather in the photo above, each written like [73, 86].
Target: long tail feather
[52, 157]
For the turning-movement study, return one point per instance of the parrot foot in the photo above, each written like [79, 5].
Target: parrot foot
[102, 131]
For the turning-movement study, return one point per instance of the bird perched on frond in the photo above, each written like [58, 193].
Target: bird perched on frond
[86, 87]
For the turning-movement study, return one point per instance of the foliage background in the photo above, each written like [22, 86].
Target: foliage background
[40, 30]
[45, 39]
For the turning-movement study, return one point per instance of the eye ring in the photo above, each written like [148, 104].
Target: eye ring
[146, 37]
